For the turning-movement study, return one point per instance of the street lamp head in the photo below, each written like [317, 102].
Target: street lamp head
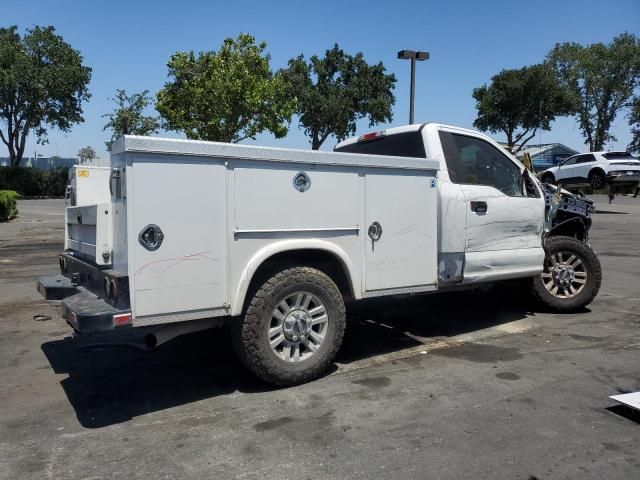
[406, 54]
[409, 54]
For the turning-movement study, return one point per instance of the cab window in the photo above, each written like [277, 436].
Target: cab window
[586, 158]
[407, 144]
[474, 161]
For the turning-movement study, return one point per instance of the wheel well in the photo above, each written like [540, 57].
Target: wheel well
[596, 170]
[322, 260]
[573, 227]
[547, 175]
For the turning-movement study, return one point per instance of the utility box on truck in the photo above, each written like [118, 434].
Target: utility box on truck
[275, 241]
[217, 212]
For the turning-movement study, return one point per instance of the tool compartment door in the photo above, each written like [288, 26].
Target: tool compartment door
[400, 229]
[186, 199]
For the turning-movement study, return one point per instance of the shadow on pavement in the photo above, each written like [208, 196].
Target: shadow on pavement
[110, 384]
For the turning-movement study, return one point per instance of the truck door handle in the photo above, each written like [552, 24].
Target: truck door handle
[479, 207]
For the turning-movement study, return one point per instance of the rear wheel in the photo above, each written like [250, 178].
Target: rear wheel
[548, 178]
[293, 327]
[597, 179]
[571, 277]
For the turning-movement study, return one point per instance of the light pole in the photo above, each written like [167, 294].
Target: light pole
[413, 56]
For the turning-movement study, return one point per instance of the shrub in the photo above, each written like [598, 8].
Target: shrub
[8, 208]
[33, 182]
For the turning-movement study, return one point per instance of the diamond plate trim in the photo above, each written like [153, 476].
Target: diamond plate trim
[399, 291]
[179, 317]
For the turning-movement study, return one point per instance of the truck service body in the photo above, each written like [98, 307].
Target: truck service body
[202, 230]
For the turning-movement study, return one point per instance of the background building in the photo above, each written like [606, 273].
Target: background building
[547, 155]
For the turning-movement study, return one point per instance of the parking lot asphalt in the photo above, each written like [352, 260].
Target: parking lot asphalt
[474, 385]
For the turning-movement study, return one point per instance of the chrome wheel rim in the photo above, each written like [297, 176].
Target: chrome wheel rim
[565, 275]
[298, 326]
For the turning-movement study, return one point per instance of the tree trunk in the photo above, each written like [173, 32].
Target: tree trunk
[510, 140]
[318, 140]
[16, 152]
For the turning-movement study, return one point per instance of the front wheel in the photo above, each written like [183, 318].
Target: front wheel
[571, 277]
[292, 328]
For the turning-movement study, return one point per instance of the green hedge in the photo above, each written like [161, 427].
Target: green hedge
[33, 182]
[8, 208]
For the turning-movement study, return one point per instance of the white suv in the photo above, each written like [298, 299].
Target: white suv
[596, 169]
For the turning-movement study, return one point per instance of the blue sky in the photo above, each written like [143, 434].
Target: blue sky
[128, 44]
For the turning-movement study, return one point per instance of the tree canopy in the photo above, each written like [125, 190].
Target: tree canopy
[601, 79]
[87, 153]
[634, 121]
[519, 102]
[227, 95]
[42, 85]
[335, 91]
[128, 118]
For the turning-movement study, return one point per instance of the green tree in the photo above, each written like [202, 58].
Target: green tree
[227, 95]
[602, 79]
[127, 118]
[87, 153]
[520, 102]
[42, 85]
[634, 121]
[334, 92]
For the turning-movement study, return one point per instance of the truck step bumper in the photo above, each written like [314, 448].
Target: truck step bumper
[88, 313]
[83, 310]
[55, 287]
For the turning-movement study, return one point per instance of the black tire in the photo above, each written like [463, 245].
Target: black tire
[548, 178]
[589, 264]
[251, 337]
[597, 179]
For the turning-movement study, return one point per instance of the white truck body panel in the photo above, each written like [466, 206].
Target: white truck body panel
[88, 229]
[88, 185]
[224, 209]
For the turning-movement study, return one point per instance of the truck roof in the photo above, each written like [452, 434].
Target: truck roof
[218, 150]
[402, 129]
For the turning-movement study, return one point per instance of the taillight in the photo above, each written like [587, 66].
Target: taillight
[371, 136]
[121, 319]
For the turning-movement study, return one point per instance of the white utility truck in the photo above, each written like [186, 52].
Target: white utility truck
[274, 241]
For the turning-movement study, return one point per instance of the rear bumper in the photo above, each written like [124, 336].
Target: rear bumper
[83, 310]
[627, 177]
[88, 313]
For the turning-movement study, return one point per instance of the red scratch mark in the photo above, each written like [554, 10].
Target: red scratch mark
[162, 266]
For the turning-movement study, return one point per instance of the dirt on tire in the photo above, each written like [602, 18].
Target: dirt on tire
[250, 335]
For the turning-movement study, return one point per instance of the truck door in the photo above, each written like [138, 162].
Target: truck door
[505, 209]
